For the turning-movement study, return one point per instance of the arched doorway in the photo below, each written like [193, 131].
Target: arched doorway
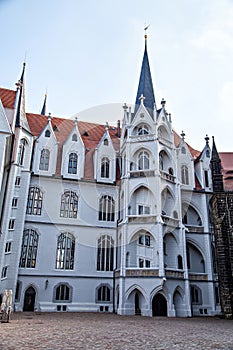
[159, 305]
[137, 304]
[29, 299]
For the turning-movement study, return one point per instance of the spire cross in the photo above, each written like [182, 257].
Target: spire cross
[142, 98]
[125, 107]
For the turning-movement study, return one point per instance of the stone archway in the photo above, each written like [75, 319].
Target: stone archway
[159, 305]
[29, 299]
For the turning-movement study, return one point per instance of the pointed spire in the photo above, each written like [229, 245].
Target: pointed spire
[216, 170]
[43, 111]
[21, 119]
[145, 86]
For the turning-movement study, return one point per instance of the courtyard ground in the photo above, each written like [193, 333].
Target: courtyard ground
[69, 331]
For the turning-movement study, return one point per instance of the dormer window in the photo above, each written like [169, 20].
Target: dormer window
[105, 167]
[44, 159]
[47, 133]
[143, 130]
[106, 142]
[74, 138]
[73, 163]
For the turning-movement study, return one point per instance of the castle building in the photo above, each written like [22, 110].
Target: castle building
[107, 219]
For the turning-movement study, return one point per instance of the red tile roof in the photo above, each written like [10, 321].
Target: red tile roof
[7, 97]
[91, 134]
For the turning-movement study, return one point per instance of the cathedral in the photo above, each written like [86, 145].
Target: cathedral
[128, 219]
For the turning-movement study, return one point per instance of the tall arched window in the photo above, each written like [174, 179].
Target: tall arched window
[105, 167]
[196, 295]
[105, 253]
[184, 175]
[44, 159]
[143, 160]
[73, 163]
[34, 203]
[29, 249]
[21, 153]
[69, 205]
[106, 208]
[65, 251]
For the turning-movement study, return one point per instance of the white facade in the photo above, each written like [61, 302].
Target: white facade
[119, 226]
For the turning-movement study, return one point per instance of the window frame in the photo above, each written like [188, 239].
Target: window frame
[65, 251]
[73, 163]
[69, 205]
[107, 208]
[44, 159]
[105, 253]
[34, 202]
[29, 249]
[105, 168]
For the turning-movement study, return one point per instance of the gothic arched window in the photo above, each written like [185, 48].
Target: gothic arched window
[106, 208]
[105, 167]
[184, 175]
[29, 249]
[34, 203]
[69, 205]
[105, 253]
[143, 160]
[73, 163]
[44, 159]
[65, 251]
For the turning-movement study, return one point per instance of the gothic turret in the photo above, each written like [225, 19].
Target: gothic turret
[145, 86]
[216, 169]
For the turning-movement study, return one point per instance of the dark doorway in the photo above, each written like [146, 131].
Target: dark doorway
[159, 305]
[136, 303]
[29, 299]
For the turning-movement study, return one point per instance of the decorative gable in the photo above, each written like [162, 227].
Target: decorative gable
[185, 165]
[45, 152]
[73, 155]
[105, 160]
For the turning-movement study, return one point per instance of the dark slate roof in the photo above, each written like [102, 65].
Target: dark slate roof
[145, 86]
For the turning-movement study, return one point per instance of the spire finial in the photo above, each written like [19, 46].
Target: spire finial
[76, 121]
[145, 36]
[49, 117]
[163, 102]
[182, 135]
[106, 126]
[43, 111]
[207, 140]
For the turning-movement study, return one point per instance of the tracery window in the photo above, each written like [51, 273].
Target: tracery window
[69, 205]
[29, 249]
[143, 160]
[44, 159]
[105, 253]
[106, 208]
[105, 167]
[65, 251]
[184, 175]
[143, 130]
[73, 163]
[34, 203]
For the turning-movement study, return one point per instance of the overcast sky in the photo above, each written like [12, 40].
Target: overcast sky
[88, 54]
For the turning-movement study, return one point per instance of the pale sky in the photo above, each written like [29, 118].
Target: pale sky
[88, 55]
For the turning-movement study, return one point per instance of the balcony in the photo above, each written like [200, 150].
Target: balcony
[147, 219]
[173, 273]
[167, 176]
[142, 272]
[141, 173]
[196, 229]
[197, 276]
[170, 221]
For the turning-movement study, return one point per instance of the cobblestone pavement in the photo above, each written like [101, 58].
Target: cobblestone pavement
[69, 331]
